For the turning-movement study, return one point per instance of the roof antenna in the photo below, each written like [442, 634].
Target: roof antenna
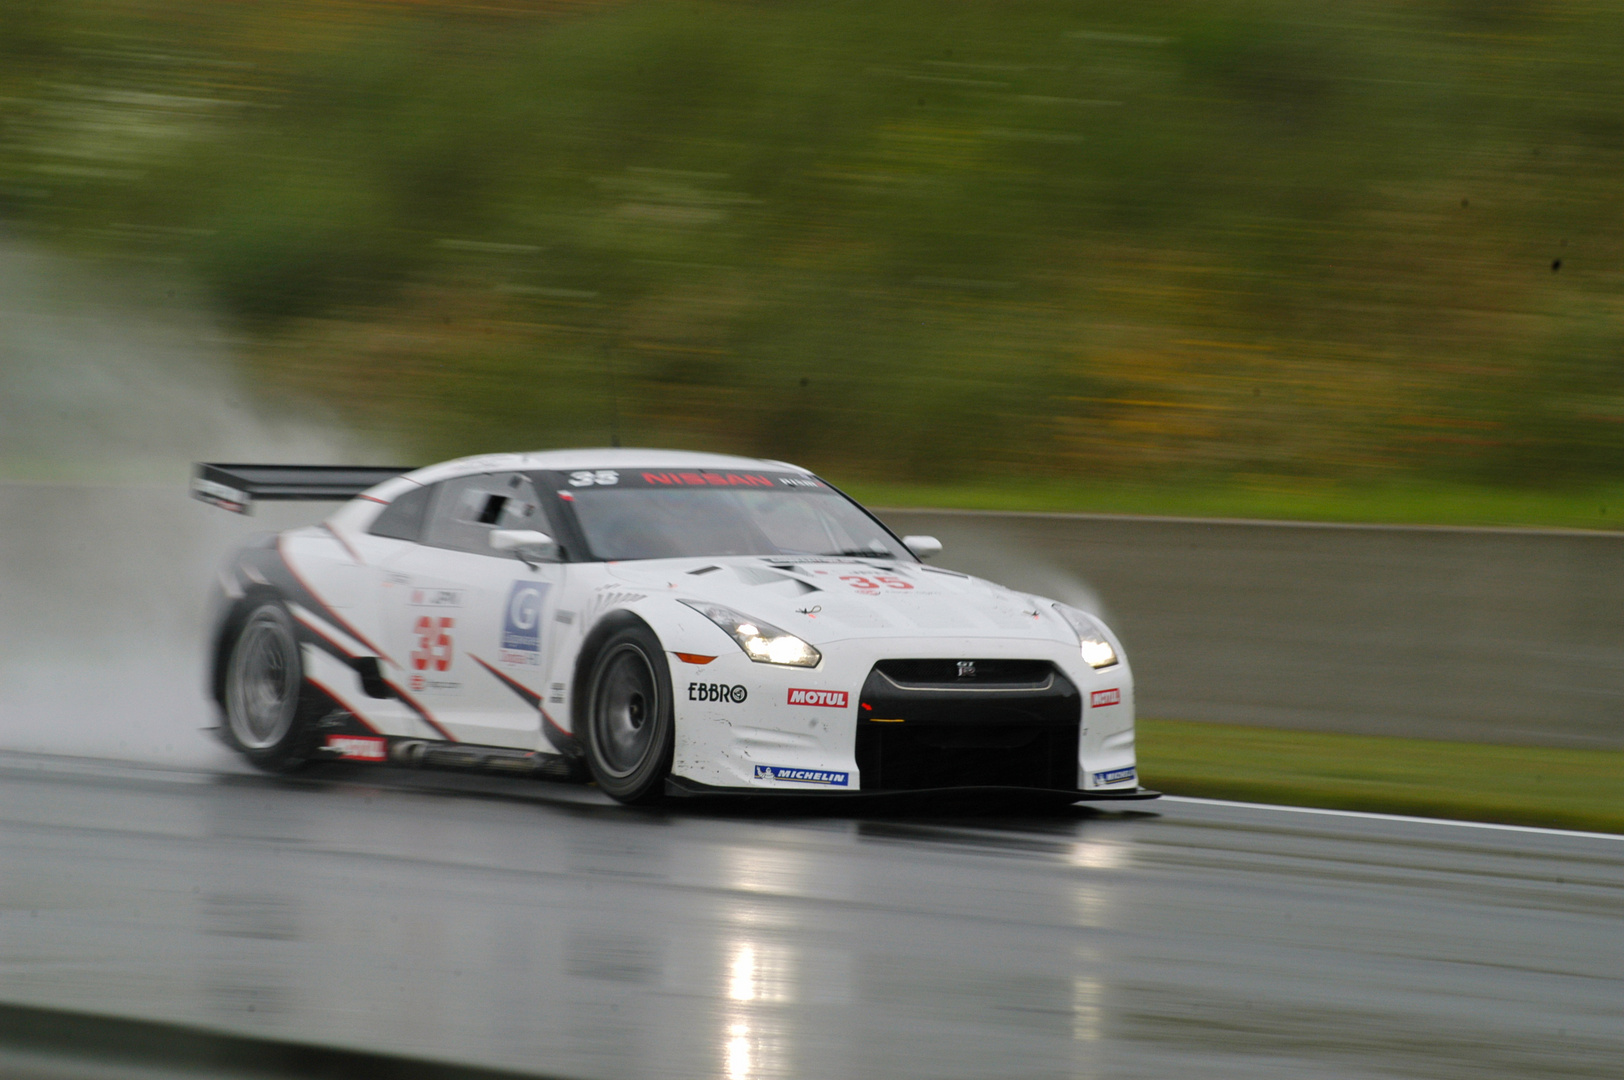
[614, 404]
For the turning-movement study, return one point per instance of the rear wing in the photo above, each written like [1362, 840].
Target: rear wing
[236, 487]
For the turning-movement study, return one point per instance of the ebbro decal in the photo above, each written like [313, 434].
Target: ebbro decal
[521, 624]
[1100, 698]
[803, 776]
[828, 699]
[709, 691]
[358, 747]
[1115, 776]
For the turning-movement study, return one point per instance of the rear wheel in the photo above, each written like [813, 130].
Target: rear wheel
[630, 730]
[266, 705]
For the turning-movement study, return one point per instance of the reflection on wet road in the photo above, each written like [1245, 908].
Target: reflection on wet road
[535, 926]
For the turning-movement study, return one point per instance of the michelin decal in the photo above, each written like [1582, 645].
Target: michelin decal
[821, 777]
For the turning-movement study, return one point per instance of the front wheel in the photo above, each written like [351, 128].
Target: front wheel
[630, 730]
[266, 705]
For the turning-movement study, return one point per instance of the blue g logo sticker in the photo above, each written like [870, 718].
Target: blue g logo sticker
[521, 624]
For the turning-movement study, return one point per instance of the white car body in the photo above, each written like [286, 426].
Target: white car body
[482, 649]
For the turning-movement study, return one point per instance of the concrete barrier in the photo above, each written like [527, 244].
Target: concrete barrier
[1472, 634]
[1491, 635]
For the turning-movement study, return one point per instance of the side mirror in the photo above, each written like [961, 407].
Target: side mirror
[527, 544]
[926, 547]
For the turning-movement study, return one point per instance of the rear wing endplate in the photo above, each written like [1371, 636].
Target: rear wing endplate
[236, 487]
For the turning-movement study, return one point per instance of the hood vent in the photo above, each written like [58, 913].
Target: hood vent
[757, 575]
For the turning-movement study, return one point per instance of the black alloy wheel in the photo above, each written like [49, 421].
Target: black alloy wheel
[630, 730]
[267, 709]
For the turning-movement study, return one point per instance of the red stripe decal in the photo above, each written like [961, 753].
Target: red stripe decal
[356, 555]
[326, 609]
[530, 696]
[316, 629]
[417, 708]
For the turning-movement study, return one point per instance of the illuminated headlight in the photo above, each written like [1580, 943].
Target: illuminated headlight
[1096, 647]
[762, 642]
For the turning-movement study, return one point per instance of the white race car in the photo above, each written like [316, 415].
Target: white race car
[663, 623]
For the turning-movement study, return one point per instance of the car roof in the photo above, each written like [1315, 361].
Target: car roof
[600, 458]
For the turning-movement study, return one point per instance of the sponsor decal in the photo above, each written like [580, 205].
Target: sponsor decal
[589, 477]
[1101, 698]
[803, 776]
[435, 647]
[706, 479]
[422, 684]
[709, 691]
[870, 585]
[1115, 776]
[798, 481]
[436, 598]
[521, 624]
[359, 747]
[828, 699]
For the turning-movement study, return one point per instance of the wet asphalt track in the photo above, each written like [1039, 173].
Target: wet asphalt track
[530, 925]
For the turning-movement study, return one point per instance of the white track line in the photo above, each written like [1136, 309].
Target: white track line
[1394, 817]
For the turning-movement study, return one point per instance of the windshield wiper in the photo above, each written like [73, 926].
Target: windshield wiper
[861, 553]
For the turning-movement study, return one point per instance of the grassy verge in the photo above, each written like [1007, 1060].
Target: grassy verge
[1417, 503]
[1520, 785]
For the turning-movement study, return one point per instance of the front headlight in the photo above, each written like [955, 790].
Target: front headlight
[1096, 647]
[762, 642]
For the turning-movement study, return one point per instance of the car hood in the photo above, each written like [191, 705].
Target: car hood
[827, 599]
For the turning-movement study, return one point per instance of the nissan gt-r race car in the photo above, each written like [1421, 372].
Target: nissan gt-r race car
[662, 623]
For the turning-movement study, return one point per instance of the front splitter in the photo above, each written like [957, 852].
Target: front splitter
[682, 787]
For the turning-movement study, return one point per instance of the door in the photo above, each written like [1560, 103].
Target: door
[468, 625]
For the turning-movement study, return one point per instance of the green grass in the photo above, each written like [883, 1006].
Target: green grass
[1415, 503]
[1519, 785]
[953, 240]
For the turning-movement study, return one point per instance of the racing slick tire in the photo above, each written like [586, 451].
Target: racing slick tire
[630, 730]
[267, 706]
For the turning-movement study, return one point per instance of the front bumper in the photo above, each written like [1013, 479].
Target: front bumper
[843, 728]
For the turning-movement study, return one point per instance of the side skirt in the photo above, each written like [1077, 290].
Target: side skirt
[429, 754]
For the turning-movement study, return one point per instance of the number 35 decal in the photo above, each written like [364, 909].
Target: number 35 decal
[866, 584]
[587, 477]
[433, 650]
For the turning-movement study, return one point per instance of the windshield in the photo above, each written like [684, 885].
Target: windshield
[663, 515]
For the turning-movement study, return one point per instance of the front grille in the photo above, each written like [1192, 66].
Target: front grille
[1023, 674]
[1018, 728]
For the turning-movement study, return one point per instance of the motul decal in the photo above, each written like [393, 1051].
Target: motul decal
[828, 699]
[359, 747]
[1105, 697]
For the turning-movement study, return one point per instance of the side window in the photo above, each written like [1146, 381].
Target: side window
[403, 518]
[470, 508]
